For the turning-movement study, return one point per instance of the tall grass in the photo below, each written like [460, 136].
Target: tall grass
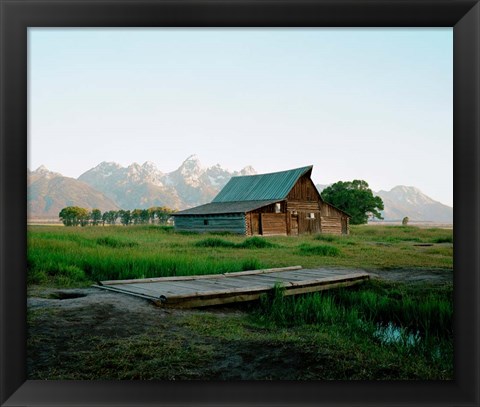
[84, 255]
[114, 242]
[315, 308]
[443, 239]
[91, 258]
[249, 243]
[431, 314]
[319, 250]
[410, 327]
[214, 242]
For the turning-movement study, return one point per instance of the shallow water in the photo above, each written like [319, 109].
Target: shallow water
[393, 334]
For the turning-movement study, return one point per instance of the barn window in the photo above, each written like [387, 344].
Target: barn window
[311, 215]
[277, 207]
[205, 221]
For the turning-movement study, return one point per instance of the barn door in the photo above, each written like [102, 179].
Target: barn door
[255, 222]
[294, 224]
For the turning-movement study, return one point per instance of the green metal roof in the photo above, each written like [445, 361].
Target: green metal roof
[261, 187]
[216, 208]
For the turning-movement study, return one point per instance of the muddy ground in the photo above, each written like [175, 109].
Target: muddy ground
[66, 319]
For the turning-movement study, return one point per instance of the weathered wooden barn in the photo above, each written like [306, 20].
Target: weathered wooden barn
[280, 203]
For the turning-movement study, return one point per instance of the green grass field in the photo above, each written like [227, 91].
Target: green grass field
[377, 330]
[79, 256]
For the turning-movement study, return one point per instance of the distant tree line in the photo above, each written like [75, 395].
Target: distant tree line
[76, 216]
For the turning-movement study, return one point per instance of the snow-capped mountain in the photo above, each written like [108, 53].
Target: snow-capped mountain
[112, 186]
[144, 186]
[135, 186]
[409, 201]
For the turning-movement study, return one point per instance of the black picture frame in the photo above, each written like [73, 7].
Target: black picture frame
[18, 15]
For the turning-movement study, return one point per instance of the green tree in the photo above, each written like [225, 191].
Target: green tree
[160, 214]
[68, 216]
[145, 216]
[153, 214]
[83, 217]
[96, 216]
[140, 216]
[110, 217]
[136, 216]
[125, 217]
[356, 199]
[74, 216]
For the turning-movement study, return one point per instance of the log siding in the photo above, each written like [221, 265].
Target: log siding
[234, 223]
[284, 203]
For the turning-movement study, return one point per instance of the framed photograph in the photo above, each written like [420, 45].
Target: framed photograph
[246, 86]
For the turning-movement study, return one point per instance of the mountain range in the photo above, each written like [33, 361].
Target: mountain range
[109, 186]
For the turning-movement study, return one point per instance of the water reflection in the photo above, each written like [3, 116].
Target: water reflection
[393, 334]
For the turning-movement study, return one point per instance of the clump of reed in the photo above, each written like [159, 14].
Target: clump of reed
[249, 243]
[443, 239]
[214, 242]
[115, 243]
[315, 308]
[318, 250]
[430, 313]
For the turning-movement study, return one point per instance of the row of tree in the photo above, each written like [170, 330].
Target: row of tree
[76, 216]
[353, 197]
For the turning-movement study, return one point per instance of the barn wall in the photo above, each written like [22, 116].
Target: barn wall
[266, 224]
[304, 190]
[295, 216]
[234, 223]
[331, 224]
[271, 208]
[303, 206]
[273, 224]
[329, 210]
[309, 225]
[252, 224]
[334, 221]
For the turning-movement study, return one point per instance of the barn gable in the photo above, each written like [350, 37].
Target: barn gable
[285, 202]
[273, 186]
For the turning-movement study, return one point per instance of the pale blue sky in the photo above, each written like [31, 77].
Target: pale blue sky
[372, 104]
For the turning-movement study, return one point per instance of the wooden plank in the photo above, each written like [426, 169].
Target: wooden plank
[328, 280]
[201, 286]
[269, 279]
[140, 291]
[324, 287]
[199, 277]
[187, 287]
[163, 288]
[307, 272]
[229, 282]
[263, 271]
[209, 285]
[190, 286]
[243, 287]
[212, 298]
[115, 289]
[196, 303]
[214, 293]
[259, 287]
[226, 284]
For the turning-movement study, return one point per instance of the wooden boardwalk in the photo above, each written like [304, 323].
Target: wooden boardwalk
[214, 289]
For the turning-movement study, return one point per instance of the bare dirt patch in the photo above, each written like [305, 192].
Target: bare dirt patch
[70, 329]
[412, 276]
